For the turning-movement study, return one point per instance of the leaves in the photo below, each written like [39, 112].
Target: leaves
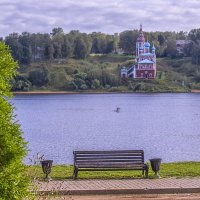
[13, 183]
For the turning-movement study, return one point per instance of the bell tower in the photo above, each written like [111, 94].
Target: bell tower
[140, 43]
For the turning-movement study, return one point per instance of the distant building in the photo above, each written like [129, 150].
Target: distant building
[180, 45]
[145, 67]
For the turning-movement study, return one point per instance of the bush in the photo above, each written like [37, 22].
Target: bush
[39, 77]
[83, 87]
[71, 86]
[13, 182]
[95, 84]
[20, 83]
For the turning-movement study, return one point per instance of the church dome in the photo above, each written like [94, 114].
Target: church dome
[147, 44]
[153, 48]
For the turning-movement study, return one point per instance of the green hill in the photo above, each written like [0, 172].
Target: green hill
[100, 73]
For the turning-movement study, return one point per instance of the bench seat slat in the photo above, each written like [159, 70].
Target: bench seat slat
[109, 152]
[110, 165]
[108, 161]
[107, 155]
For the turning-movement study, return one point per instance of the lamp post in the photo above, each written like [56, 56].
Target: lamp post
[46, 167]
[155, 165]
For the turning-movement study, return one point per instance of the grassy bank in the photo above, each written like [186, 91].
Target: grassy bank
[100, 73]
[60, 172]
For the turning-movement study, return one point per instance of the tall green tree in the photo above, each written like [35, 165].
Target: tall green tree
[13, 182]
[171, 48]
[80, 48]
[39, 77]
[12, 40]
[25, 41]
[128, 40]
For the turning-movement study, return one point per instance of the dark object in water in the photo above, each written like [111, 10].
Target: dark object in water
[117, 109]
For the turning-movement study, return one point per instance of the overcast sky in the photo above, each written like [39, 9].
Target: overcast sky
[107, 16]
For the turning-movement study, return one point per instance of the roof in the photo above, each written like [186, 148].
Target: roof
[147, 54]
[147, 44]
[182, 42]
[146, 61]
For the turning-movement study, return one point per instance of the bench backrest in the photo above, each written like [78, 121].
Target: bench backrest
[108, 158]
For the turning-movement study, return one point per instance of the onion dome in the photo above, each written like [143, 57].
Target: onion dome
[147, 44]
[141, 48]
[153, 48]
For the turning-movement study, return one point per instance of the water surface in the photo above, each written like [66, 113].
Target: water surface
[164, 125]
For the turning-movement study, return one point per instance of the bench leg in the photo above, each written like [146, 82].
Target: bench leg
[147, 171]
[75, 174]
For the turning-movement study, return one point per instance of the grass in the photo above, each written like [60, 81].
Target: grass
[60, 172]
[171, 73]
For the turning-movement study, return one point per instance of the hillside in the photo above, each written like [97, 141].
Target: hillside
[100, 73]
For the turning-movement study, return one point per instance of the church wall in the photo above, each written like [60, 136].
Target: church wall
[141, 74]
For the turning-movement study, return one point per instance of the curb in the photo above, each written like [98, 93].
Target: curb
[121, 191]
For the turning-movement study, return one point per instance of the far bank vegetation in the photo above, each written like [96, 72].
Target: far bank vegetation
[78, 61]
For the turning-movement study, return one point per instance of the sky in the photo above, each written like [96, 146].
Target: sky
[106, 16]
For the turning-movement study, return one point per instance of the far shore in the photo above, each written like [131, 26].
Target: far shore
[195, 91]
[60, 92]
[86, 92]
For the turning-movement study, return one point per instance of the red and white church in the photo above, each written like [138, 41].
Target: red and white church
[145, 66]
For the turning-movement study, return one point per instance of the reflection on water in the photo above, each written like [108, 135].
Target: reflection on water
[164, 125]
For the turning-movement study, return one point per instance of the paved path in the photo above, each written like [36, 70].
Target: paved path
[123, 186]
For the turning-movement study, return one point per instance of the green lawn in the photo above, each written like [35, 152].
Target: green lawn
[59, 172]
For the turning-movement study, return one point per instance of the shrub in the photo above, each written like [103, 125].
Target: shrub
[13, 182]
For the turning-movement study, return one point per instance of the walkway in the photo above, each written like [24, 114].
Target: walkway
[122, 186]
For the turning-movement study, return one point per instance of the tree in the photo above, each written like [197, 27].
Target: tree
[161, 39]
[80, 49]
[13, 42]
[20, 83]
[39, 77]
[171, 48]
[57, 31]
[196, 53]
[13, 182]
[128, 40]
[194, 47]
[24, 40]
[194, 35]
[67, 48]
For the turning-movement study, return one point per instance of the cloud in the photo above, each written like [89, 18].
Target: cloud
[96, 15]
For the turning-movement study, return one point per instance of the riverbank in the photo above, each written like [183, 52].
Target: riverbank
[167, 170]
[195, 91]
[61, 92]
[93, 92]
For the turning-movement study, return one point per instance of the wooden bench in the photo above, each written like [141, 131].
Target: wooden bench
[109, 160]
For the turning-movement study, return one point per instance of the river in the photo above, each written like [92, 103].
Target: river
[163, 125]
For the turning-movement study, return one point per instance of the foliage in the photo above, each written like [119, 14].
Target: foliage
[128, 40]
[101, 73]
[39, 77]
[80, 49]
[13, 182]
[27, 47]
[171, 48]
[20, 83]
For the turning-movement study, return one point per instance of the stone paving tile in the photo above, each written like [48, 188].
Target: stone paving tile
[128, 184]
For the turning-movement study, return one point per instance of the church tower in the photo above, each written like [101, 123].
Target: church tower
[140, 43]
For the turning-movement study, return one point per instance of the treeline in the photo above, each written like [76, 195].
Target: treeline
[27, 47]
[57, 47]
